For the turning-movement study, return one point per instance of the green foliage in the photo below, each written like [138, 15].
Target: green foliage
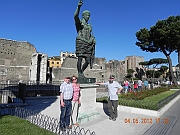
[145, 63]
[157, 74]
[157, 61]
[12, 125]
[163, 37]
[163, 69]
[130, 73]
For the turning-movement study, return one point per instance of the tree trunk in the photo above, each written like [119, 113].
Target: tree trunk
[171, 71]
[179, 59]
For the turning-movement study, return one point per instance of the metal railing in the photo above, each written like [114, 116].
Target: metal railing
[16, 93]
[34, 90]
[44, 121]
[9, 93]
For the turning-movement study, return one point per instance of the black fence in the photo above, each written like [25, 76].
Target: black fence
[44, 121]
[10, 93]
[17, 93]
[42, 90]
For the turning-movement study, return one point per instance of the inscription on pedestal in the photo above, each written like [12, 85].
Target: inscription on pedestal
[86, 80]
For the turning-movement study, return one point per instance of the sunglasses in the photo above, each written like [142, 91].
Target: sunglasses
[111, 78]
[74, 79]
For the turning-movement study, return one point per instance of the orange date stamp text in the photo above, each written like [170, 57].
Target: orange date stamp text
[146, 120]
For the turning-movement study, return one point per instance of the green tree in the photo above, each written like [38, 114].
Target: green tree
[145, 65]
[157, 74]
[130, 73]
[163, 69]
[157, 61]
[163, 37]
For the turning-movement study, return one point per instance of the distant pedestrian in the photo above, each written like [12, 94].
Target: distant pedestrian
[126, 86]
[76, 103]
[135, 86]
[66, 93]
[146, 84]
[139, 85]
[113, 89]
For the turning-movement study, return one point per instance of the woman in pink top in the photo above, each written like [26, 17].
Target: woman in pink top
[126, 86]
[75, 101]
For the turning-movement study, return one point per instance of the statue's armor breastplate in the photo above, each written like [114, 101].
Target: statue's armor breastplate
[85, 32]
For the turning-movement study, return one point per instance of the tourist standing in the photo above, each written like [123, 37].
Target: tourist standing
[146, 84]
[113, 89]
[126, 86]
[66, 93]
[135, 86]
[139, 85]
[76, 103]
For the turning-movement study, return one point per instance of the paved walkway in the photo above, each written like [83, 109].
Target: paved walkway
[168, 124]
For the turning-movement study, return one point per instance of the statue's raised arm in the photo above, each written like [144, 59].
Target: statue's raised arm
[76, 17]
[76, 14]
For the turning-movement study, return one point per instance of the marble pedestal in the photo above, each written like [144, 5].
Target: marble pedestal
[87, 111]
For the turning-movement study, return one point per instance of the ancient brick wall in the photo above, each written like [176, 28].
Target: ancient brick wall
[15, 59]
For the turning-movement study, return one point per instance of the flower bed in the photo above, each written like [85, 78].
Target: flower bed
[142, 94]
[147, 99]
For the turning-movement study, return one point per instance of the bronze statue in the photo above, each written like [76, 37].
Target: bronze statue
[85, 41]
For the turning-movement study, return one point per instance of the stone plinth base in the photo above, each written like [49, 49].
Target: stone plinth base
[88, 103]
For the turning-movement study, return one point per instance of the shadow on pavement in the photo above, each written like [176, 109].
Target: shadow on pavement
[39, 104]
[105, 107]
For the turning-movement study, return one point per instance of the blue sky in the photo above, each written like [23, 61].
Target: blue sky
[49, 24]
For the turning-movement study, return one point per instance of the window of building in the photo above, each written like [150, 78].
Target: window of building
[52, 62]
[57, 62]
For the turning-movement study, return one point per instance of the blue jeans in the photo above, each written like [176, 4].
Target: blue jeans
[139, 87]
[126, 89]
[65, 114]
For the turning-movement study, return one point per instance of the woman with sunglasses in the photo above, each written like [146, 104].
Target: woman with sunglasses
[75, 101]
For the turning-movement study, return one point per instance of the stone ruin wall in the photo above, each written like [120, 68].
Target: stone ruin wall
[15, 59]
[99, 70]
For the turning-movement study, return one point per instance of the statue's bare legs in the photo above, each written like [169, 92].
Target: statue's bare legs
[79, 65]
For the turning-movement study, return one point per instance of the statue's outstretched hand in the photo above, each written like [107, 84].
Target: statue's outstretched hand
[80, 3]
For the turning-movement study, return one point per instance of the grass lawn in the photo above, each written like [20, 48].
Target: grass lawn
[161, 96]
[12, 125]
